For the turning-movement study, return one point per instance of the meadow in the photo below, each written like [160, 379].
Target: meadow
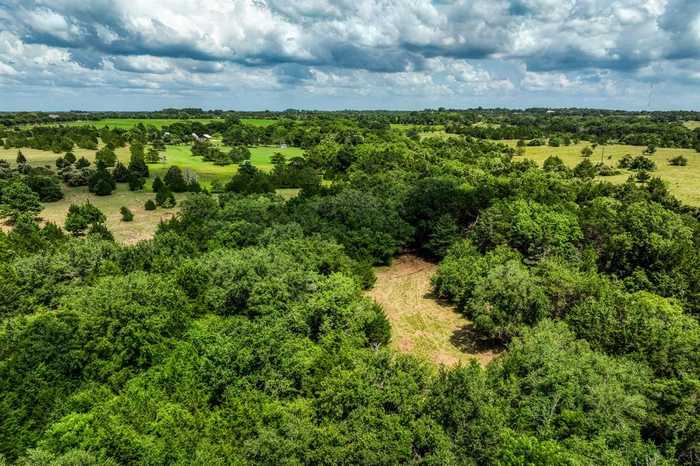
[145, 222]
[684, 182]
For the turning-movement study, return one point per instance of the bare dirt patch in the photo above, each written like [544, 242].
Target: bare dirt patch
[421, 324]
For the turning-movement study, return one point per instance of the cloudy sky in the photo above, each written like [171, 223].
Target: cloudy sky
[335, 54]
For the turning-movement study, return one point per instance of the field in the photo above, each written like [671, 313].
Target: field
[142, 227]
[258, 121]
[419, 323]
[684, 182]
[144, 224]
[179, 155]
[692, 124]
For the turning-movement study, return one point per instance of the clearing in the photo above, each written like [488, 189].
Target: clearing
[420, 324]
[145, 222]
[684, 182]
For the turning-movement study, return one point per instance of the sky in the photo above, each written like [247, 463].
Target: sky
[348, 54]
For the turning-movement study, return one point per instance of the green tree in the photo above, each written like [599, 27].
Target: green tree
[106, 156]
[17, 198]
[82, 216]
[174, 180]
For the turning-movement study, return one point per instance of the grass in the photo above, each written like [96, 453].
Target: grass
[692, 124]
[684, 182]
[258, 121]
[420, 324]
[142, 227]
[145, 222]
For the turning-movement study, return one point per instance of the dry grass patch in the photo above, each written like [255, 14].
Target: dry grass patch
[421, 324]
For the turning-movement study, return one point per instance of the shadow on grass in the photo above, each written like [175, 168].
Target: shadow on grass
[467, 340]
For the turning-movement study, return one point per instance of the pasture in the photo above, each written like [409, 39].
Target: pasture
[684, 182]
[145, 222]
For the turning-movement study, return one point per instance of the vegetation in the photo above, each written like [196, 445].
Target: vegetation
[255, 329]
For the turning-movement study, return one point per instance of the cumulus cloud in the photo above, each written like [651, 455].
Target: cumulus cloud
[363, 47]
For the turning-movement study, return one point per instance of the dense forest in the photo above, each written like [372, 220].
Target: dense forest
[240, 333]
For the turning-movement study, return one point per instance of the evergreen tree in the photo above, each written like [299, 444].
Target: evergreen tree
[21, 159]
[136, 182]
[175, 180]
[120, 173]
[69, 158]
[137, 164]
[106, 156]
[157, 184]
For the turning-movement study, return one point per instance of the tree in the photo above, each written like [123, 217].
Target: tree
[249, 180]
[150, 205]
[650, 149]
[136, 182]
[239, 154]
[69, 158]
[82, 216]
[82, 162]
[101, 182]
[106, 156]
[152, 156]
[127, 215]
[165, 198]
[17, 198]
[157, 184]
[120, 173]
[21, 159]
[586, 151]
[47, 187]
[174, 180]
[137, 163]
[585, 170]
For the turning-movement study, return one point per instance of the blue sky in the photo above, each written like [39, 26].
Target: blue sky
[323, 54]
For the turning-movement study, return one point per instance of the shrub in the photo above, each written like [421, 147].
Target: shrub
[678, 161]
[150, 205]
[127, 215]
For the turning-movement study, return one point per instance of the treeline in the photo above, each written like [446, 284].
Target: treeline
[239, 334]
[613, 129]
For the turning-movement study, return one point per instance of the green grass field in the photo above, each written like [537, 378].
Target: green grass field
[258, 121]
[179, 155]
[684, 182]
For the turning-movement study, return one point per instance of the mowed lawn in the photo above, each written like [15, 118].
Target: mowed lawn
[145, 222]
[684, 182]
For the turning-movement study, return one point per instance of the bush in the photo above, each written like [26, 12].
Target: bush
[127, 216]
[150, 205]
[678, 161]
[80, 217]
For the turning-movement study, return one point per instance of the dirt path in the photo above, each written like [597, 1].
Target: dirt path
[420, 324]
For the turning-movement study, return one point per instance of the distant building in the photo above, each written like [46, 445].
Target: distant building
[206, 136]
